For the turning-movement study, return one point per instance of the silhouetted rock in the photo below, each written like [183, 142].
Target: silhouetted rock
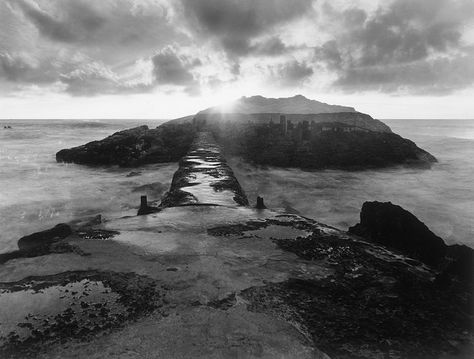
[266, 145]
[460, 262]
[316, 135]
[133, 147]
[43, 238]
[393, 226]
[287, 105]
[297, 109]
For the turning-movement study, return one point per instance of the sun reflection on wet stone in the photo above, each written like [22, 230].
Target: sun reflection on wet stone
[204, 177]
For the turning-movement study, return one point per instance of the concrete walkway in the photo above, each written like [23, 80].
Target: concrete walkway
[204, 178]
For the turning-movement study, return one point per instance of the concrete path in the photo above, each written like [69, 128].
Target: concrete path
[204, 178]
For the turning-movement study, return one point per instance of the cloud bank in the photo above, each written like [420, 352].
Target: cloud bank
[90, 48]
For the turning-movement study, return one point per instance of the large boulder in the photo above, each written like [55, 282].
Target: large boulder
[460, 262]
[133, 147]
[44, 238]
[394, 227]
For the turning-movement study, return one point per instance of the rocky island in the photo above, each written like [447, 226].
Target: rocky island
[288, 132]
[206, 273]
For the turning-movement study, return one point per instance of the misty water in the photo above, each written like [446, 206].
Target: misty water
[442, 197]
[37, 193]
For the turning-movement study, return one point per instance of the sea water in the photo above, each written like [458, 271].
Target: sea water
[442, 197]
[36, 192]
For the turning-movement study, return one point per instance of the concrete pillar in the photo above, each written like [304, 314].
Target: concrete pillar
[260, 204]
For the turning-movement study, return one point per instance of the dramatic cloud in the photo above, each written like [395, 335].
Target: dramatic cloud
[95, 77]
[79, 21]
[437, 76]
[412, 46]
[270, 47]
[234, 23]
[89, 48]
[23, 69]
[293, 73]
[169, 69]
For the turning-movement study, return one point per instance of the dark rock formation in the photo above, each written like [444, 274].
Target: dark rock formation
[43, 243]
[394, 227]
[266, 145]
[52, 240]
[460, 263]
[372, 304]
[46, 237]
[133, 147]
[50, 248]
[287, 105]
[357, 119]
[316, 135]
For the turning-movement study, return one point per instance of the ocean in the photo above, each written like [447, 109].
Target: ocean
[36, 192]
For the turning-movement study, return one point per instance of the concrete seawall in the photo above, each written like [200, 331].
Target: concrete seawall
[204, 178]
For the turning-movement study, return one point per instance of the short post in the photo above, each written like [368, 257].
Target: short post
[143, 205]
[143, 202]
[260, 204]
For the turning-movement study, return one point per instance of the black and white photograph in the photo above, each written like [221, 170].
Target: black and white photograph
[243, 179]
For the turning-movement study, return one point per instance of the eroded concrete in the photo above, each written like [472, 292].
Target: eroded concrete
[208, 277]
[204, 178]
[200, 271]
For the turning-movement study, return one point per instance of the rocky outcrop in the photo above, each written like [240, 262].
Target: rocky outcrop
[316, 136]
[459, 263]
[356, 119]
[46, 237]
[263, 283]
[265, 145]
[43, 243]
[373, 303]
[297, 109]
[396, 228]
[295, 104]
[133, 147]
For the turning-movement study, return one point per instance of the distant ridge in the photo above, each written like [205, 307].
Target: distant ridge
[288, 105]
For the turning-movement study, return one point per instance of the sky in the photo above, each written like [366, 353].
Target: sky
[170, 58]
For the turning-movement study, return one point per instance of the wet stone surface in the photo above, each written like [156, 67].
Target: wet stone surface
[98, 234]
[38, 310]
[267, 228]
[52, 248]
[376, 304]
[204, 178]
